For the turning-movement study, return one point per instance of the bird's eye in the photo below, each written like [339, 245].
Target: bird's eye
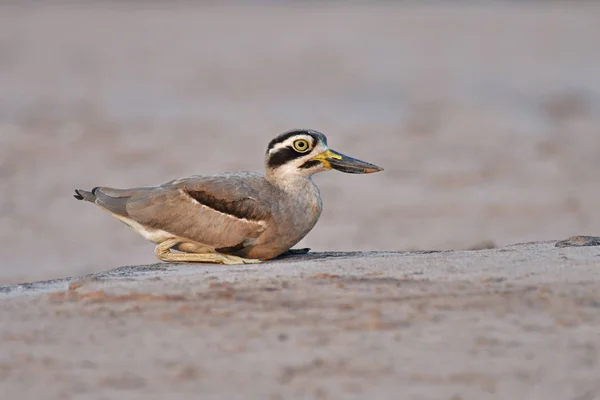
[301, 145]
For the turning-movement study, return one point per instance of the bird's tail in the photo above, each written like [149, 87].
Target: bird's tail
[85, 195]
[112, 200]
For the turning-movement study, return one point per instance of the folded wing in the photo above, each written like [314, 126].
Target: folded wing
[224, 211]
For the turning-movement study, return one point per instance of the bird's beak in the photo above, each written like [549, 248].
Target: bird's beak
[335, 160]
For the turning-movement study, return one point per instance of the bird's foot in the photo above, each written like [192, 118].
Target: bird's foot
[233, 260]
[164, 253]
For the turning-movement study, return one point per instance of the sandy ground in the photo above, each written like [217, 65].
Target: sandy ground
[519, 322]
[485, 118]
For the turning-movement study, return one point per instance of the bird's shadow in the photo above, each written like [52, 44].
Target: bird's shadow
[296, 255]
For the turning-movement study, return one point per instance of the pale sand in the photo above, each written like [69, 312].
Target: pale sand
[519, 322]
[486, 120]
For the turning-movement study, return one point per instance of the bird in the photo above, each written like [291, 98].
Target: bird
[233, 217]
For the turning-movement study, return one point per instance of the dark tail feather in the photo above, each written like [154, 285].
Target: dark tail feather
[112, 200]
[85, 195]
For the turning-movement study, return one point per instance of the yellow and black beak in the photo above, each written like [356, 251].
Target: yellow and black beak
[343, 163]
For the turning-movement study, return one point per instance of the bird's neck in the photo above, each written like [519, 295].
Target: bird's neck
[291, 183]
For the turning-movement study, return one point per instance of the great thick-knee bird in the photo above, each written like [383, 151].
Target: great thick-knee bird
[234, 217]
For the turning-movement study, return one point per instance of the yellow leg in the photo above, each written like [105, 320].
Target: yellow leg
[163, 252]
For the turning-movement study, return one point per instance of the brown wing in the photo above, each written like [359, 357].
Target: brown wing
[222, 211]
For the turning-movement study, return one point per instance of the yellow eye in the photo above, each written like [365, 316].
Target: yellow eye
[301, 145]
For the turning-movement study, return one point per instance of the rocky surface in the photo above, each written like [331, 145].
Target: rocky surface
[520, 321]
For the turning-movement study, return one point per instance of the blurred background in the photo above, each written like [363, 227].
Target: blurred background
[485, 116]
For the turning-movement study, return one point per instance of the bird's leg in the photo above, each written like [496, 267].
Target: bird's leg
[163, 252]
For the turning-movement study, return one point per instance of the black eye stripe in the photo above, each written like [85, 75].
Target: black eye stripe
[283, 156]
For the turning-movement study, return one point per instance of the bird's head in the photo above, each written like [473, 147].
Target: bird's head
[304, 152]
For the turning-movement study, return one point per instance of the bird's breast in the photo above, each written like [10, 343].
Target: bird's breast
[294, 214]
[301, 211]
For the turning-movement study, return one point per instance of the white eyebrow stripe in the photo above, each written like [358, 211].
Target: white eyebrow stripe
[289, 141]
